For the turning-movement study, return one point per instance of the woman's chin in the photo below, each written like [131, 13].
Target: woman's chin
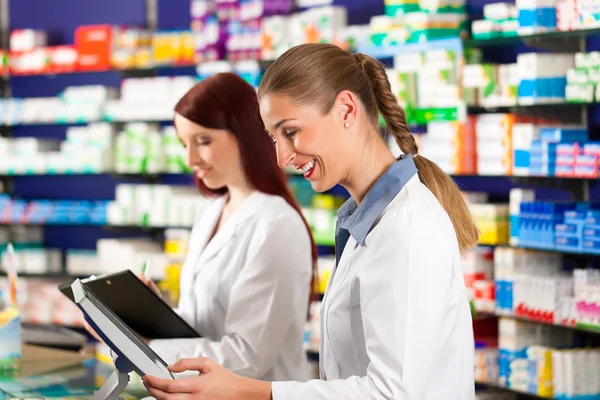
[212, 185]
[320, 186]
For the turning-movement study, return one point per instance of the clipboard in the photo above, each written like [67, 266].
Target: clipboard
[137, 305]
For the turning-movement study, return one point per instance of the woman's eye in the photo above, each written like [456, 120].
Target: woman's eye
[290, 134]
[202, 142]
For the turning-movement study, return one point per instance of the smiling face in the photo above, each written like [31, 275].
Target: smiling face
[305, 138]
[212, 153]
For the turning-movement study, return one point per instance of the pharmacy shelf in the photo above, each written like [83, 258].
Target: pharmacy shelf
[554, 250]
[121, 175]
[523, 178]
[387, 52]
[84, 123]
[556, 35]
[125, 71]
[590, 330]
[326, 240]
[476, 110]
[54, 276]
[497, 386]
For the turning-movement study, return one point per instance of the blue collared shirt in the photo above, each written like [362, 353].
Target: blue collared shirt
[358, 220]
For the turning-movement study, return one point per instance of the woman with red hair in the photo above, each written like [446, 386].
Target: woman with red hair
[246, 283]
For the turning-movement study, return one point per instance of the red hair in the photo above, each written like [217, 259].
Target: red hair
[227, 102]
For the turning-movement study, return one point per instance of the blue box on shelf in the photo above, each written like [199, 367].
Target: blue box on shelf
[563, 134]
[536, 20]
[591, 245]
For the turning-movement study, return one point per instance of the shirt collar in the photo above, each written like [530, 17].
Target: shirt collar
[359, 219]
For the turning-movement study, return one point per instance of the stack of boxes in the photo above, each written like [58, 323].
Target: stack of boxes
[30, 54]
[524, 364]
[577, 14]
[572, 227]
[451, 145]
[492, 220]
[555, 152]
[543, 77]
[326, 24]
[13, 211]
[429, 81]
[494, 144]
[583, 80]
[516, 198]
[500, 20]
[478, 271]
[544, 149]
[591, 231]
[587, 297]
[537, 223]
[153, 205]
[41, 303]
[244, 36]
[425, 20]
[143, 148]
[208, 32]
[536, 16]
[148, 99]
[490, 85]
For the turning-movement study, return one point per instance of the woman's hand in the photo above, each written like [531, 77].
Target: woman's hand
[213, 383]
[151, 285]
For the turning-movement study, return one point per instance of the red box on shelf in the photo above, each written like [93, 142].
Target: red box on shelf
[63, 59]
[94, 45]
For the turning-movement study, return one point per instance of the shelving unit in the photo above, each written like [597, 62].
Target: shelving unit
[496, 386]
[593, 331]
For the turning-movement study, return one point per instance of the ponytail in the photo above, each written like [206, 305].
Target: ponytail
[438, 182]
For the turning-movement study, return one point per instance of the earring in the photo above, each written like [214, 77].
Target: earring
[346, 125]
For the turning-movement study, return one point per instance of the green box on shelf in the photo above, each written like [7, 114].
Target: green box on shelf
[399, 10]
[430, 34]
[486, 35]
[422, 116]
[593, 74]
[407, 94]
[580, 93]
[472, 55]
[510, 33]
[579, 75]
[471, 96]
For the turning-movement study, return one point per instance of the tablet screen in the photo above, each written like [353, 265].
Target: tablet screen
[148, 352]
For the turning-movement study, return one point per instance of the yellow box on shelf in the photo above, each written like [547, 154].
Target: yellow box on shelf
[492, 221]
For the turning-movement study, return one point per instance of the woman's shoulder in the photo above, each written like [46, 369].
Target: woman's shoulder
[416, 209]
[275, 209]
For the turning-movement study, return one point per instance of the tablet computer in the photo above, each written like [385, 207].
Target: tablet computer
[132, 353]
[137, 305]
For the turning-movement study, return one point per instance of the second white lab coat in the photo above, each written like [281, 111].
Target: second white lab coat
[396, 322]
[246, 291]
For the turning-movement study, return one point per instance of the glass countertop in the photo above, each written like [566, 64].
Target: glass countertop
[75, 382]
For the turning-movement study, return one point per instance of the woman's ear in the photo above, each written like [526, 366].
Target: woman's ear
[346, 108]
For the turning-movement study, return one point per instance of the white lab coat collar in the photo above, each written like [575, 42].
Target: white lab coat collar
[210, 248]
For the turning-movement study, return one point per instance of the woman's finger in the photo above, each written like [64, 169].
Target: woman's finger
[203, 365]
[170, 385]
[160, 395]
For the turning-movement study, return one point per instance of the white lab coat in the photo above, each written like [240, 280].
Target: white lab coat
[396, 319]
[247, 291]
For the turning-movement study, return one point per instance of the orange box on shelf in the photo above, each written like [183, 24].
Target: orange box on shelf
[94, 46]
[63, 59]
